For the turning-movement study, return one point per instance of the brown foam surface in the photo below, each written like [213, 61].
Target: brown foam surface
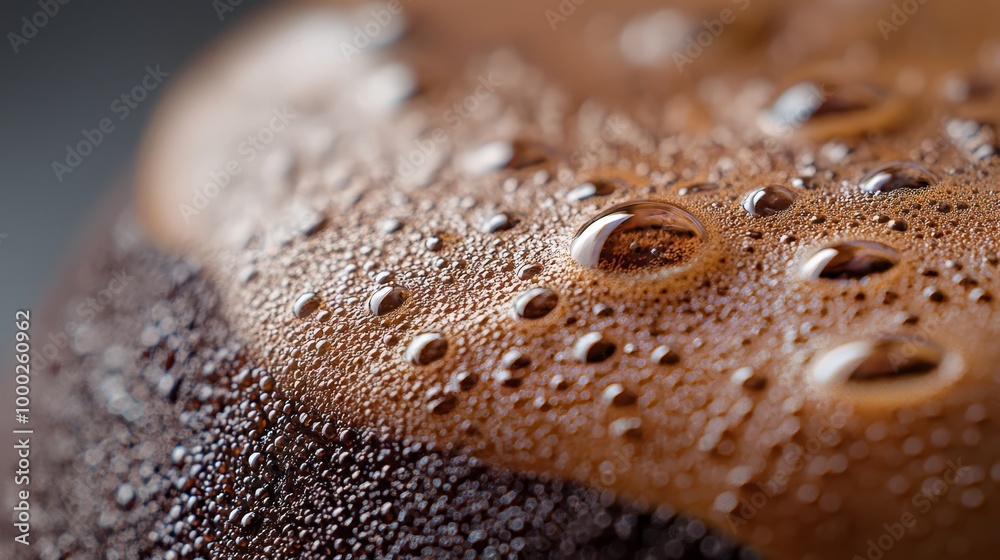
[748, 381]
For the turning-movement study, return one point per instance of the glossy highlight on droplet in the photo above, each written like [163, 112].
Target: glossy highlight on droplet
[639, 235]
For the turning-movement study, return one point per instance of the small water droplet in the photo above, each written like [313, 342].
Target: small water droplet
[392, 225]
[433, 243]
[515, 359]
[934, 294]
[249, 522]
[697, 188]
[440, 401]
[466, 380]
[527, 153]
[305, 305]
[897, 175]
[637, 235]
[747, 378]
[897, 225]
[617, 395]
[665, 356]
[488, 157]
[386, 300]
[535, 303]
[528, 271]
[768, 201]
[629, 427]
[591, 189]
[592, 348]
[498, 222]
[426, 348]
[851, 259]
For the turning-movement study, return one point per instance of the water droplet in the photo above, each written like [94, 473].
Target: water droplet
[897, 175]
[851, 259]
[636, 235]
[617, 395]
[886, 358]
[591, 189]
[246, 274]
[515, 359]
[528, 271]
[508, 377]
[535, 303]
[665, 356]
[653, 37]
[498, 222]
[796, 105]
[810, 103]
[305, 305]
[629, 427]
[697, 188]
[466, 380]
[592, 348]
[747, 378]
[488, 158]
[249, 521]
[386, 300]
[433, 243]
[439, 401]
[768, 201]
[426, 348]
[887, 368]
[934, 294]
[526, 154]
[979, 295]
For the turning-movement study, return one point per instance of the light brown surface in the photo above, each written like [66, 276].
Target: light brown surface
[309, 215]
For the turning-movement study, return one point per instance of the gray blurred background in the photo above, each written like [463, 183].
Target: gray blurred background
[63, 79]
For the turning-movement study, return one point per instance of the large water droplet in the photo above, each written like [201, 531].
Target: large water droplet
[897, 175]
[386, 300]
[887, 369]
[768, 201]
[638, 235]
[830, 109]
[535, 303]
[851, 259]
[885, 358]
[426, 348]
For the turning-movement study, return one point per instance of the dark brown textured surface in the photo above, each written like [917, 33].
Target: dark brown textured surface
[161, 440]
